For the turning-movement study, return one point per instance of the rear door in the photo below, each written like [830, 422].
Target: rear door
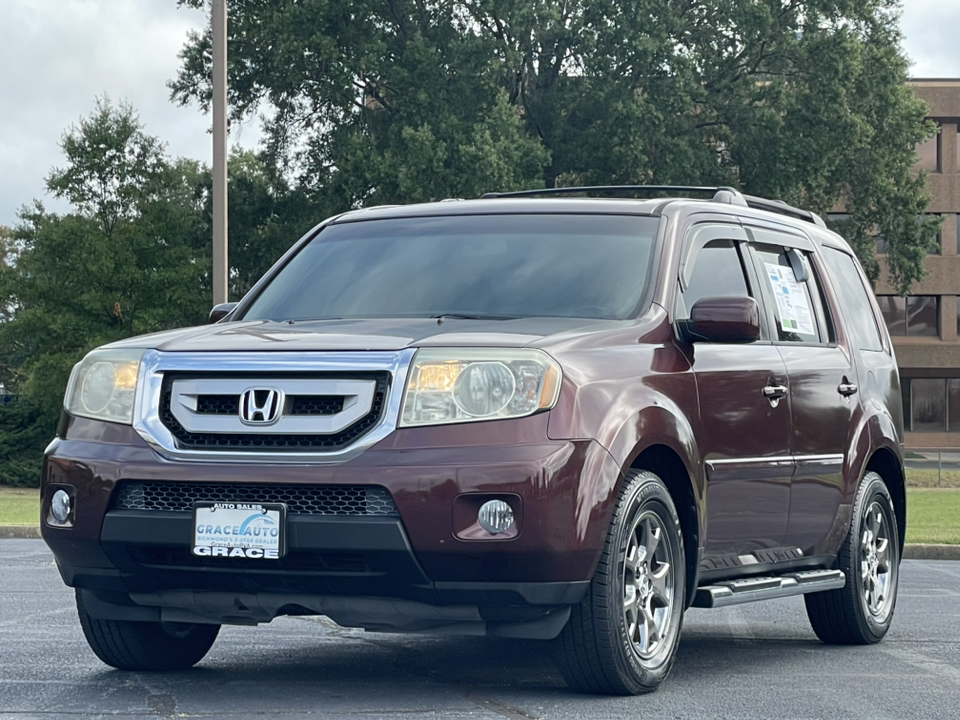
[822, 380]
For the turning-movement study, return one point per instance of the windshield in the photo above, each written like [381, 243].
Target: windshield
[483, 266]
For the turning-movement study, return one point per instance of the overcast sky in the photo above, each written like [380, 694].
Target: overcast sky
[57, 56]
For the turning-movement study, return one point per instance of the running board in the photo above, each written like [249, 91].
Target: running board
[734, 592]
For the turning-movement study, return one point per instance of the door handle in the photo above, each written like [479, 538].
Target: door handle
[774, 392]
[846, 388]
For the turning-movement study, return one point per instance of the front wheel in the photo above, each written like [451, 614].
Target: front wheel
[128, 645]
[860, 612]
[622, 638]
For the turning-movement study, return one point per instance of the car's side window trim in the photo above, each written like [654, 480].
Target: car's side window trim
[769, 236]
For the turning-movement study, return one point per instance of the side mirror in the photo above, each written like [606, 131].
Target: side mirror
[724, 320]
[220, 311]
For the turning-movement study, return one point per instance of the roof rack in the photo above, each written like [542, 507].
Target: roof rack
[720, 193]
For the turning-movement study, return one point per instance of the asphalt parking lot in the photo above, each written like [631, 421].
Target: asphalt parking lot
[751, 661]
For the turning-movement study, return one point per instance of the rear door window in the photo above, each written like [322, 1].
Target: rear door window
[794, 299]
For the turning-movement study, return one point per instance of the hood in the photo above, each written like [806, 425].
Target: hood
[366, 334]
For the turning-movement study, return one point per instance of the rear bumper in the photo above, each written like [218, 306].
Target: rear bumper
[421, 558]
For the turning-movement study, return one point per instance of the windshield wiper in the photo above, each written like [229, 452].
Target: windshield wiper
[469, 316]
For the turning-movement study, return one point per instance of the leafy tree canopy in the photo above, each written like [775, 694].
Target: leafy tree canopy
[380, 101]
[131, 257]
[7, 246]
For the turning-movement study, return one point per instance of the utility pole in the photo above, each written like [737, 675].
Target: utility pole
[220, 263]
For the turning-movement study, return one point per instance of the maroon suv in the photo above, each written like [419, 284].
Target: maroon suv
[531, 415]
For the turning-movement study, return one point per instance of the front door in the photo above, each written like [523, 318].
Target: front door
[744, 413]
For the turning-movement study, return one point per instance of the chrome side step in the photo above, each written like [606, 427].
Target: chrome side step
[734, 592]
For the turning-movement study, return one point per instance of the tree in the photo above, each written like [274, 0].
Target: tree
[131, 257]
[266, 216]
[7, 247]
[379, 101]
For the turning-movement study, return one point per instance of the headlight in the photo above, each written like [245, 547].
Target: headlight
[453, 385]
[104, 385]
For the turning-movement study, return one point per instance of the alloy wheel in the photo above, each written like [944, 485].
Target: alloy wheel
[876, 562]
[648, 585]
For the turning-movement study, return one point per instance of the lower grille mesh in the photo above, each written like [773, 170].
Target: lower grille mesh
[300, 499]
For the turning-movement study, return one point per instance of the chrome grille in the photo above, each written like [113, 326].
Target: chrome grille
[315, 405]
[300, 499]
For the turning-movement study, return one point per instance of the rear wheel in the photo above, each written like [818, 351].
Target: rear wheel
[622, 638]
[860, 612]
[128, 645]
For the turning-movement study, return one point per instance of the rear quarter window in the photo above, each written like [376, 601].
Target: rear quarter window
[861, 322]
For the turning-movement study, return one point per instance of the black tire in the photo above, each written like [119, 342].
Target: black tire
[860, 612]
[601, 650]
[128, 645]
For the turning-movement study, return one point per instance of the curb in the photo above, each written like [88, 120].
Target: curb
[931, 552]
[20, 531]
[910, 552]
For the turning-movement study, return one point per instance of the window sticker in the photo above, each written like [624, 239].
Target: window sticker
[794, 310]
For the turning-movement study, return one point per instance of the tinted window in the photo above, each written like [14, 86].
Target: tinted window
[922, 314]
[928, 154]
[911, 315]
[717, 272]
[953, 408]
[928, 400]
[489, 265]
[847, 283]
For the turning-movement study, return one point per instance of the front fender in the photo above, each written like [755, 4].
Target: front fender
[627, 413]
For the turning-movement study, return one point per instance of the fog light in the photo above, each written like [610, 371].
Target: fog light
[495, 516]
[60, 506]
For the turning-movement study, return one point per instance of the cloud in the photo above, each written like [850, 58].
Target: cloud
[59, 55]
[930, 31]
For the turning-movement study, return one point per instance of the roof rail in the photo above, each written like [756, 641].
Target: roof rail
[611, 189]
[719, 193]
[781, 208]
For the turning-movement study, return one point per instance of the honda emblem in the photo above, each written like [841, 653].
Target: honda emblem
[260, 406]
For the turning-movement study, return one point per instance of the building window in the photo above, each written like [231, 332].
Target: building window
[956, 145]
[923, 313]
[928, 405]
[937, 248]
[953, 405]
[931, 404]
[911, 315]
[929, 154]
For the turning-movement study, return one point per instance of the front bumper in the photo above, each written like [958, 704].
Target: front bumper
[141, 559]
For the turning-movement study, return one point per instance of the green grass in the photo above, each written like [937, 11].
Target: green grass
[19, 506]
[948, 477]
[933, 514]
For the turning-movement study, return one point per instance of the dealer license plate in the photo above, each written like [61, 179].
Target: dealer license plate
[239, 530]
